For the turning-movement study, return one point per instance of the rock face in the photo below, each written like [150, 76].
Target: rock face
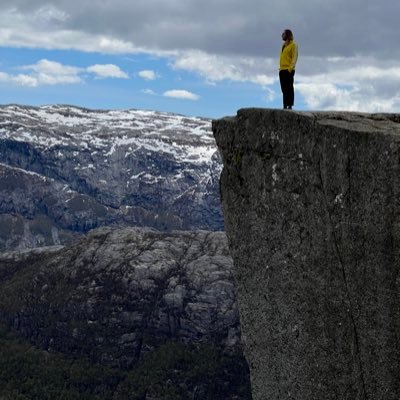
[66, 170]
[118, 294]
[311, 203]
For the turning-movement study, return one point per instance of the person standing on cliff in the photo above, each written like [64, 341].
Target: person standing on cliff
[288, 59]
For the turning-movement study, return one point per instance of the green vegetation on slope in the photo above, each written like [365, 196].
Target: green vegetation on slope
[179, 372]
[173, 371]
[27, 373]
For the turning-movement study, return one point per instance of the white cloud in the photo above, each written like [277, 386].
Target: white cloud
[4, 77]
[24, 35]
[270, 95]
[50, 14]
[149, 91]
[148, 75]
[345, 86]
[52, 68]
[20, 79]
[263, 80]
[108, 45]
[181, 94]
[212, 67]
[47, 72]
[326, 96]
[329, 96]
[107, 71]
[25, 80]
[216, 68]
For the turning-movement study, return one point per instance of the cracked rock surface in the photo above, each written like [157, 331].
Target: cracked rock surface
[118, 294]
[311, 204]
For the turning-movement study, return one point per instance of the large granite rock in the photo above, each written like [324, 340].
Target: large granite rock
[311, 203]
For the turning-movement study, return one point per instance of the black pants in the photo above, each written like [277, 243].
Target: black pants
[287, 78]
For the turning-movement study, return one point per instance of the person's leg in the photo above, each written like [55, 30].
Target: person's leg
[290, 98]
[283, 82]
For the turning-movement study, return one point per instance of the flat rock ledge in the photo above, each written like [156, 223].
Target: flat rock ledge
[311, 204]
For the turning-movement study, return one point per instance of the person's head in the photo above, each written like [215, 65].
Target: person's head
[287, 35]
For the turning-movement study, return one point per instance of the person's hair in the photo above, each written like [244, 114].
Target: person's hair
[289, 34]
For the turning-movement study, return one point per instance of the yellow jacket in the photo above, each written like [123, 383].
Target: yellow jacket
[289, 56]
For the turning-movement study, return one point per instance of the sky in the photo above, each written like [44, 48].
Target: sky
[199, 57]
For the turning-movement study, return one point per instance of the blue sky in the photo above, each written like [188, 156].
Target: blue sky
[206, 58]
[144, 83]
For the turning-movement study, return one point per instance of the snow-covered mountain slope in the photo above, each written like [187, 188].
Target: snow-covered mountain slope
[65, 170]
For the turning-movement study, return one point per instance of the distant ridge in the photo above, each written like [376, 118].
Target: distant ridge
[65, 170]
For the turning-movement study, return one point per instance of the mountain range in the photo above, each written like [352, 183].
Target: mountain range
[65, 170]
[115, 278]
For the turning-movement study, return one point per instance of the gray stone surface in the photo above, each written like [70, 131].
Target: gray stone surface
[311, 203]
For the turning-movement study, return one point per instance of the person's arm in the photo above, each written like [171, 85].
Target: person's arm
[294, 57]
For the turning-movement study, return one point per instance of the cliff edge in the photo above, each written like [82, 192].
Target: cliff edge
[311, 204]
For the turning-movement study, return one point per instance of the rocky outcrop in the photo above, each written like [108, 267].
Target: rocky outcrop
[312, 213]
[118, 294]
[66, 170]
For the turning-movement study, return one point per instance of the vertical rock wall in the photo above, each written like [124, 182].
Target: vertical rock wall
[311, 204]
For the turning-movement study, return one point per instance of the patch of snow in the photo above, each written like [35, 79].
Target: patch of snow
[24, 171]
[187, 139]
